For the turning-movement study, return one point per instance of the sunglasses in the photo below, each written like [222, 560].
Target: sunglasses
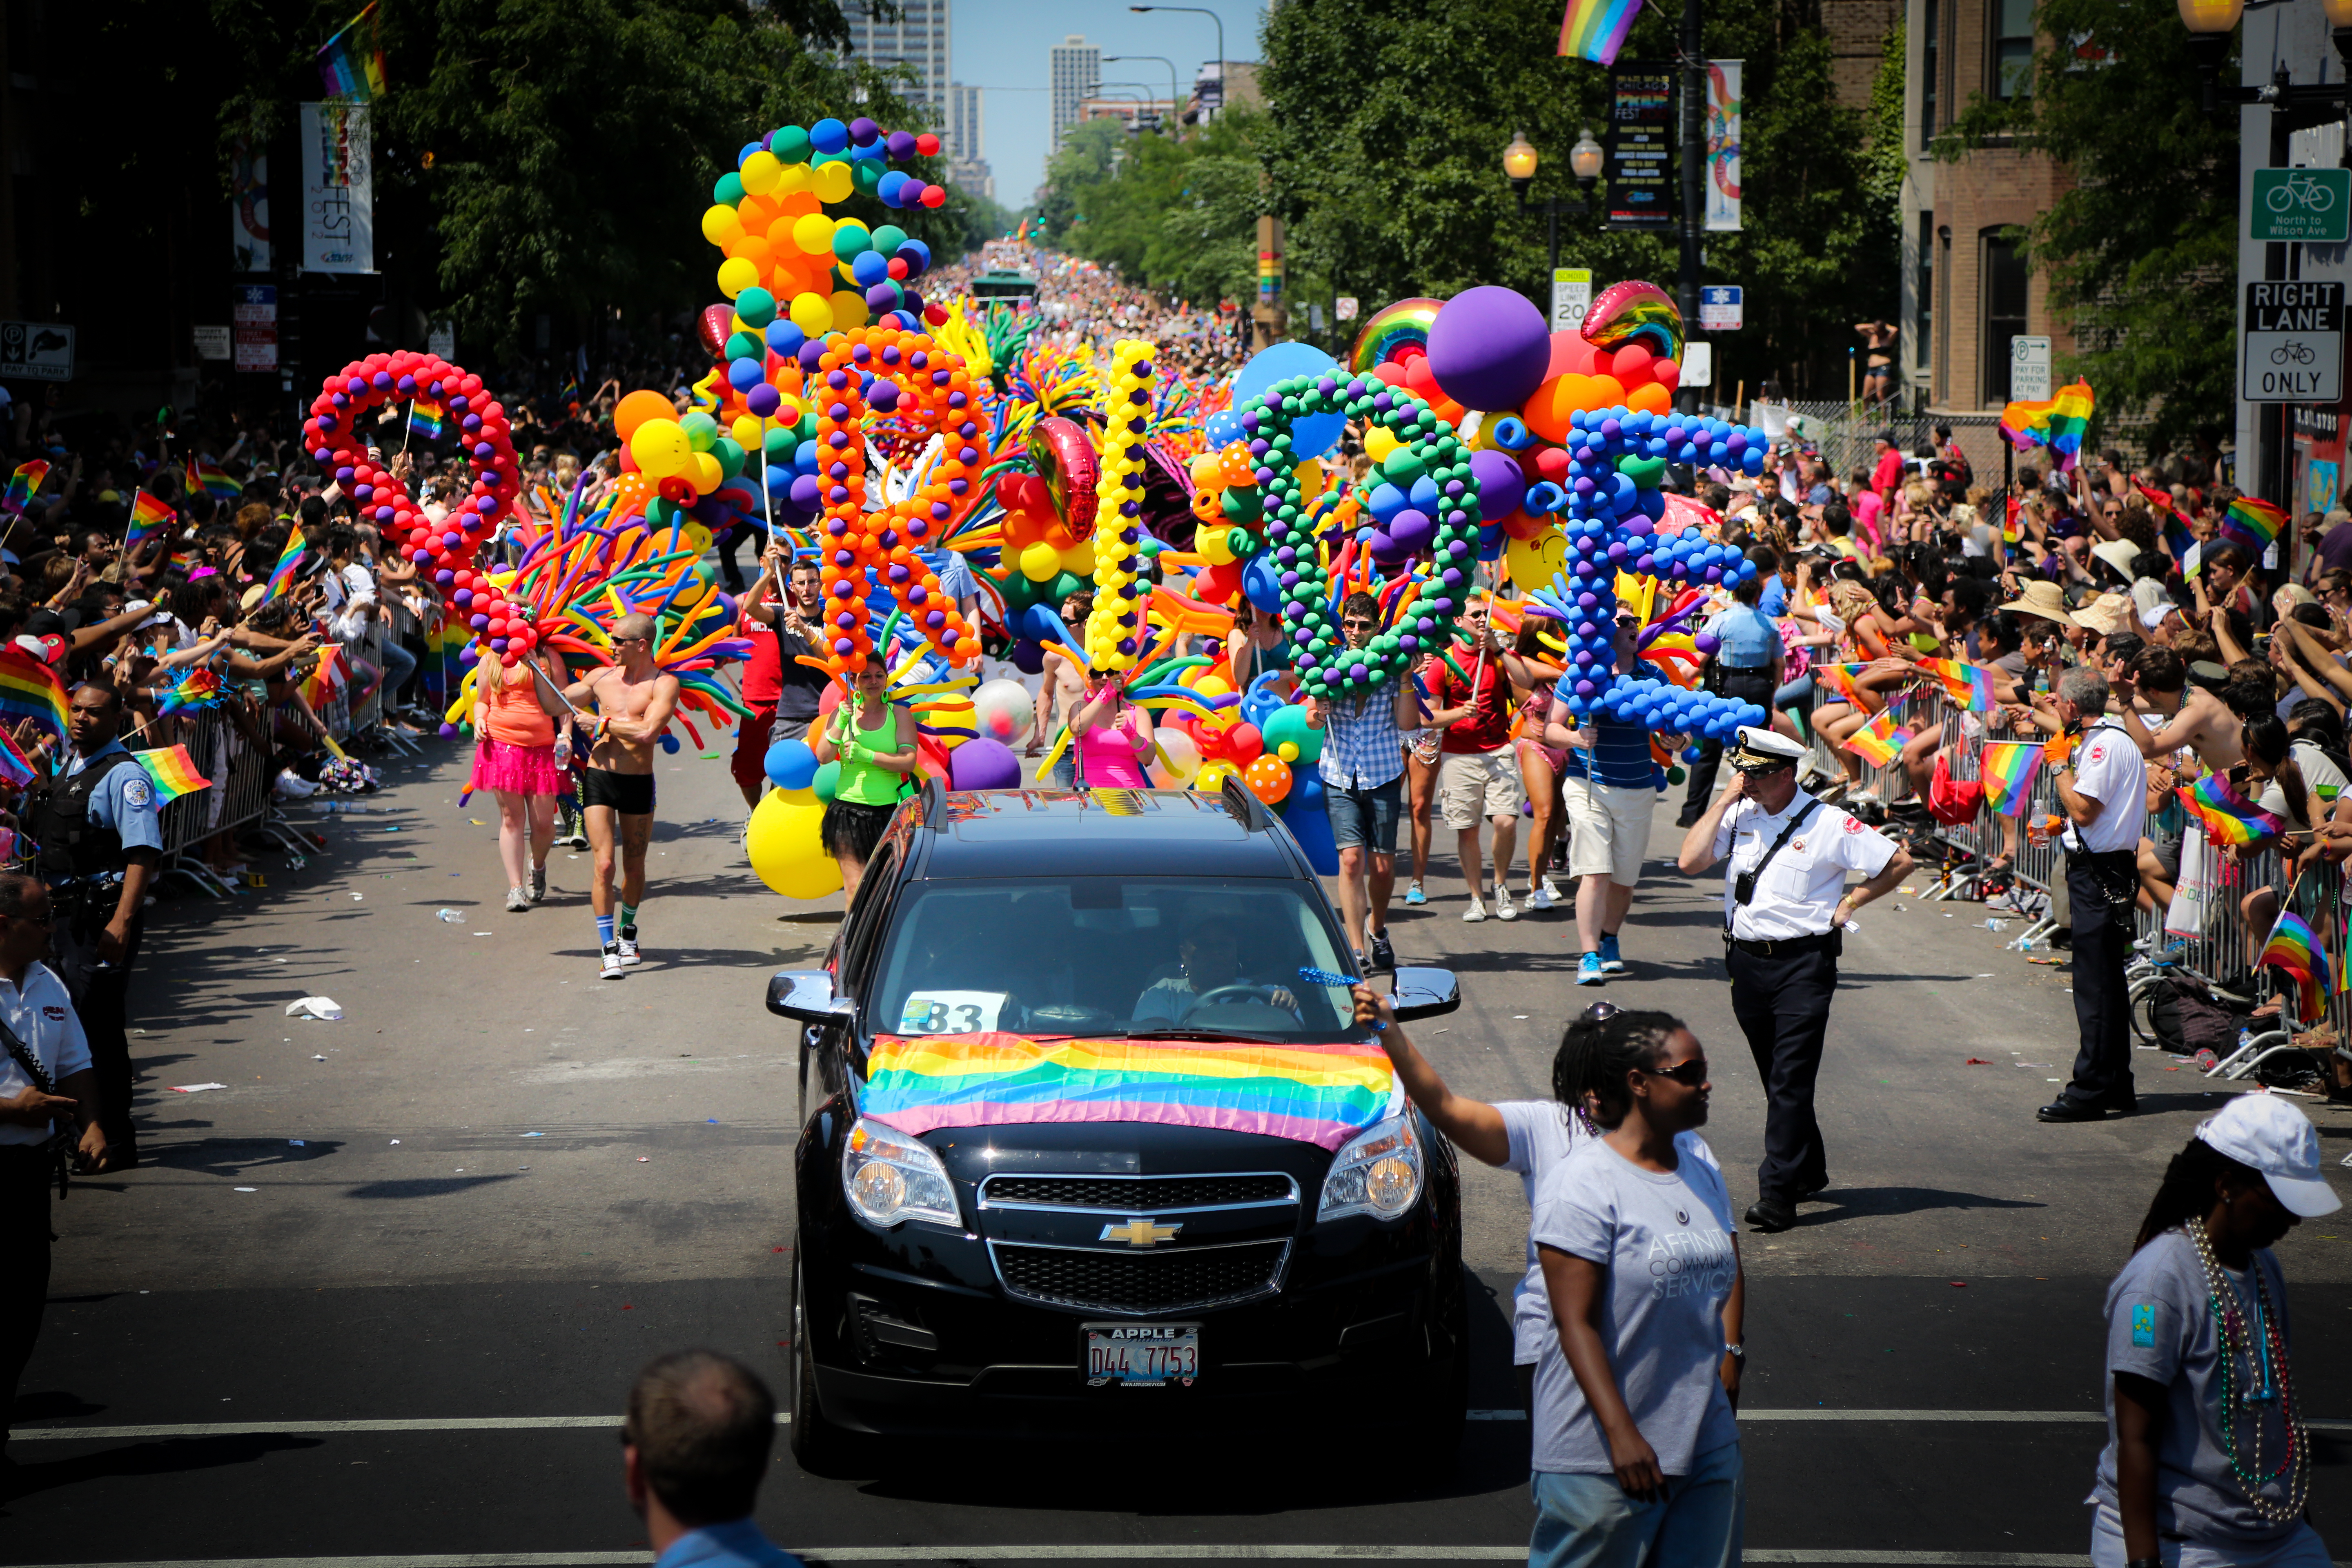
[1357, 625]
[1690, 1074]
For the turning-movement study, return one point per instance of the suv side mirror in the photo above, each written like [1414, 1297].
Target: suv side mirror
[807, 994]
[1421, 992]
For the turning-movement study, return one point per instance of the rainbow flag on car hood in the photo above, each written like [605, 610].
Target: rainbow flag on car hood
[1322, 1095]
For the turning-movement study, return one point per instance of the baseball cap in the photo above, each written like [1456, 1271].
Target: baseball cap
[2277, 1138]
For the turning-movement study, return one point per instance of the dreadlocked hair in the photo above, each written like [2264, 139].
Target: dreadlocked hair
[2187, 1190]
[1623, 1042]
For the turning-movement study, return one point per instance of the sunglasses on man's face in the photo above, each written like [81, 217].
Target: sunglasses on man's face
[1690, 1074]
[1356, 626]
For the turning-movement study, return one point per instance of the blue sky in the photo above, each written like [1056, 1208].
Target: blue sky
[1002, 45]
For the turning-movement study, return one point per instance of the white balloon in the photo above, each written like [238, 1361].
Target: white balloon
[1005, 711]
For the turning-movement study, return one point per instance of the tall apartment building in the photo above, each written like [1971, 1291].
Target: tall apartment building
[918, 39]
[967, 141]
[1077, 77]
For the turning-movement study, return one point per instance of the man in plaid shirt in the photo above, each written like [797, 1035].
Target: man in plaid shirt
[1362, 767]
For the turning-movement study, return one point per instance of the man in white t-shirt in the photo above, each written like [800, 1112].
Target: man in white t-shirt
[2103, 789]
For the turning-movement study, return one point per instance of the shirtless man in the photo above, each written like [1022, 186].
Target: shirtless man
[2191, 716]
[634, 704]
[1879, 372]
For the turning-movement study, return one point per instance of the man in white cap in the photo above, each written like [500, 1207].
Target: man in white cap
[1785, 905]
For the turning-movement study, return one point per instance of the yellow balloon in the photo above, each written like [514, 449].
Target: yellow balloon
[736, 274]
[848, 309]
[1311, 479]
[811, 314]
[1079, 558]
[720, 225]
[793, 177]
[661, 449]
[696, 537]
[833, 181]
[1532, 562]
[1211, 544]
[1211, 686]
[948, 715]
[813, 232]
[1213, 776]
[703, 473]
[760, 171]
[784, 847]
[1040, 562]
[746, 430]
[1378, 442]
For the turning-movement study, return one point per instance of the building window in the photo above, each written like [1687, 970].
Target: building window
[1942, 374]
[1923, 286]
[2004, 311]
[2009, 61]
[1928, 53]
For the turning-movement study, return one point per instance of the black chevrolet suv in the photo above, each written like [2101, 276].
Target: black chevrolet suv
[1051, 1276]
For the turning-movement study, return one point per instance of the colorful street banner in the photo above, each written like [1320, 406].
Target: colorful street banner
[1723, 145]
[338, 188]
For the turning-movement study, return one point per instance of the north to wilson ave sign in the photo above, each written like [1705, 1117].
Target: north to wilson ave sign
[2294, 343]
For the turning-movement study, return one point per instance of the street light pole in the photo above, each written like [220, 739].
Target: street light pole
[1220, 21]
[1694, 174]
[1175, 94]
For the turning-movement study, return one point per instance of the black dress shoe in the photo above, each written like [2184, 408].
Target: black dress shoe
[2064, 1110]
[1770, 1214]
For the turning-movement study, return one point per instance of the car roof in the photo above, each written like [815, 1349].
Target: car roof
[1102, 832]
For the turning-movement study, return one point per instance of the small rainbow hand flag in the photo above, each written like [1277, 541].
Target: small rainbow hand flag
[1968, 685]
[2057, 424]
[174, 773]
[282, 576]
[2007, 768]
[426, 419]
[2229, 818]
[2294, 947]
[209, 477]
[1595, 29]
[2255, 524]
[1880, 741]
[2011, 528]
[23, 483]
[29, 690]
[200, 688]
[149, 517]
[16, 770]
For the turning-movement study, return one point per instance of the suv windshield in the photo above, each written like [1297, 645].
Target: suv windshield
[1107, 957]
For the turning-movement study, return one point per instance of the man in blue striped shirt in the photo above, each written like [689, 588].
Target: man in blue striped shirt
[1362, 768]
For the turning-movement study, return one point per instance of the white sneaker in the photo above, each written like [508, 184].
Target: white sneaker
[612, 970]
[629, 952]
[537, 889]
[517, 899]
[1541, 897]
[1551, 888]
[1503, 909]
[1476, 911]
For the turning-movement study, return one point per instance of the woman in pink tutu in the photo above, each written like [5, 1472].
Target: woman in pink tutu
[514, 758]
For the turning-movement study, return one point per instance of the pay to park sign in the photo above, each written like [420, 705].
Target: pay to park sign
[2294, 344]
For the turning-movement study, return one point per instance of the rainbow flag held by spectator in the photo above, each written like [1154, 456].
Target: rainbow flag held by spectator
[2294, 947]
[322, 684]
[2011, 528]
[29, 690]
[1595, 29]
[282, 576]
[2007, 768]
[350, 64]
[2256, 524]
[426, 418]
[1968, 685]
[2229, 818]
[16, 770]
[2057, 423]
[1880, 741]
[23, 483]
[200, 688]
[173, 770]
[209, 477]
[149, 517]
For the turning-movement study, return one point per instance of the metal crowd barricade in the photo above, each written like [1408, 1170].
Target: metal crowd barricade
[238, 797]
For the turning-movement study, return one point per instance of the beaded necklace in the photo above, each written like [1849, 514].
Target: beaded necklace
[2264, 1352]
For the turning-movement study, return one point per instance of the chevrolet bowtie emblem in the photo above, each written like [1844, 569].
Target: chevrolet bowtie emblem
[1140, 1232]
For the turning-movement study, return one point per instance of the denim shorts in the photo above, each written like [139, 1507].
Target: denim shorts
[1365, 817]
[1587, 1522]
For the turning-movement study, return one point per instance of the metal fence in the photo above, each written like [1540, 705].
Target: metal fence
[1846, 434]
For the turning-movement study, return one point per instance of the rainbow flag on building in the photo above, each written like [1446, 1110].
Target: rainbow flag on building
[1595, 29]
[29, 690]
[2229, 818]
[350, 64]
[1880, 741]
[282, 576]
[2008, 768]
[2057, 423]
[2294, 947]
[209, 477]
[149, 517]
[2256, 524]
[173, 770]
[23, 484]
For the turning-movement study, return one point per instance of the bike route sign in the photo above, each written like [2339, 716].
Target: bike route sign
[2294, 343]
[2313, 205]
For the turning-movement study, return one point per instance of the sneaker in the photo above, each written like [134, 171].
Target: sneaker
[1413, 895]
[517, 900]
[1476, 911]
[537, 889]
[612, 970]
[1588, 971]
[1611, 962]
[628, 948]
[1551, 888]
[1541, 899]
[1502, 907]
[1383, 952]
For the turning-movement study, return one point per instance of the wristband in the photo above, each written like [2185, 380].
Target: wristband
[2145, 1562]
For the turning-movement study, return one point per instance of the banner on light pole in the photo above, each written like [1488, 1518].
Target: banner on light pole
[1723, 144]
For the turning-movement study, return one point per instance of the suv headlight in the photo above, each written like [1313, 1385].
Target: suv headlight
[1377, 1173]
[891, 1177]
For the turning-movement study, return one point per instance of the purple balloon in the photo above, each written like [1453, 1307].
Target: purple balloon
[807, 494]
[1489, 347]
[983, 763]
[1502, 484]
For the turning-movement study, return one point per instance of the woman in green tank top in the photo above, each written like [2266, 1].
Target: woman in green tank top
[873, 739]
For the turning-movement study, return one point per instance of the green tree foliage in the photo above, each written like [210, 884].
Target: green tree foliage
[1169, 213]
[1389, 120]
[2141, 252]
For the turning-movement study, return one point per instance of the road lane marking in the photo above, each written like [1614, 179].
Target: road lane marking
[612, 1423]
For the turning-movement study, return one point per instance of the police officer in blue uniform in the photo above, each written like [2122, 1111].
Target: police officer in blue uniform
[97, 837]
[1745, 667]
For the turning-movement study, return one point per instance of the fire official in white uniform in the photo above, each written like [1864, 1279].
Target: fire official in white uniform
[2102, 788]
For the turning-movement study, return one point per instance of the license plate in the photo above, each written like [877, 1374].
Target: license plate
[1143, 1355]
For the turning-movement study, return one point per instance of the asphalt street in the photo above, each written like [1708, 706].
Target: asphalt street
[377, 1298]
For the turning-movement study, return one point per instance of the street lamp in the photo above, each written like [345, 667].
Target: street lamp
[1520, 161]
[1220, 21]
[1175, 94]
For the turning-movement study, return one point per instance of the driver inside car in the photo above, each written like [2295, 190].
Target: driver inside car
[1209, 955]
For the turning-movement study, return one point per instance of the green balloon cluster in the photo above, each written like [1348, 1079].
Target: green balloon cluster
[1431, 464]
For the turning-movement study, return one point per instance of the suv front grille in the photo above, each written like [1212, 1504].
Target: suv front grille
[1178, 1281]
[1138, 1195]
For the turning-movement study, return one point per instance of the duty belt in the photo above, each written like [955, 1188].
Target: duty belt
[1786, 946]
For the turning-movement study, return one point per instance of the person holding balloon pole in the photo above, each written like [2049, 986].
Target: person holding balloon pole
[1363, 766]
[634, 701]
[874, 740]
[784, 693]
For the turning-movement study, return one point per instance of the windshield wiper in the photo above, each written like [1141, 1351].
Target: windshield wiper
[1183, 1034]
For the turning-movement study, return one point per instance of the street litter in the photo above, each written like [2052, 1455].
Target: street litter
[244, 1190]
[482, 933]
[396, 1142]
[451, 917]
[295, 1143]
[534, 1134]
[325, 1009]
[1976, 1062]
[318, 1058]
[196, 1087]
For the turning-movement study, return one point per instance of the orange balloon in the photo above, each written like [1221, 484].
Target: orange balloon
[1022, 529]
[1651, 397]
[636, 408]
[1268, 779]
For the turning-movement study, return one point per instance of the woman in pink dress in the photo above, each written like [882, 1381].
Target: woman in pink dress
[1113, 736]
